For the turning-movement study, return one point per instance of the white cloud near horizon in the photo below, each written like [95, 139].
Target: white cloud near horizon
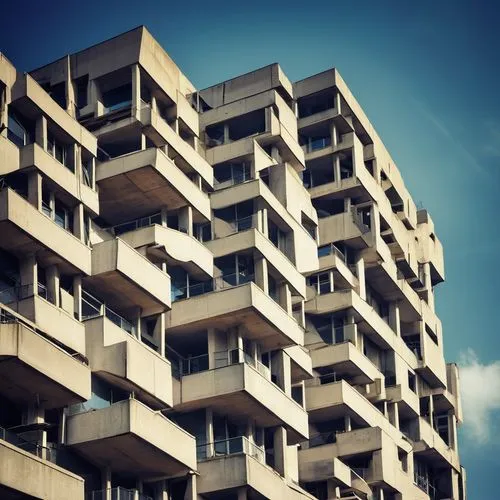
[480, 388]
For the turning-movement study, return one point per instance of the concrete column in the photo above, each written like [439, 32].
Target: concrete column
[136, 91]
[75, 160]
[186, 220]
[137, 322]
[376, 171]
[209, 432]
[53, 289]
[285, 297]
[280, 449]
[452, 432]
[164, 213]
[347, 423]
[69, 89]
[431, 411]
[78, 222]
[394, 318]
[393, 410]
[428, 284]
[77, 297]
[333, 134]
[336, 169]
[281, 367]
[226, 133]
[374, 220]
[154, 104]
[143, 142]
[261, 275]
[332, 491]
[161, 490]
[302, 318]
[41, 132]
[95, 98]
[52, 205]
[29, 275]
[191, 488]
[360, 273]
[106, 482]
[159, 333]
[35, 189]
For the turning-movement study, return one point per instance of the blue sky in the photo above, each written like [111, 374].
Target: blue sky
[426, 74]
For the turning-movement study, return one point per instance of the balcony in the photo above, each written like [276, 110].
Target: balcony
[55, 322]
[24, 378]
[27, 231]
[9, 156]
[176, 247]
[265, 321]
[238, 463]
[337, 399]
[143, 182]
[126, 278]
[134, 438]
[347, 227]
[24, 475]
[35, 101]
[33, 155]
[128, 363]
[245, 237]
[429, 444]
[247, 391]
[186, 155]
[302, 241]
[347, 361]
[408, 401]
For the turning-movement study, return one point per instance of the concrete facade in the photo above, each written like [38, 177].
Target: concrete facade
[224, 293]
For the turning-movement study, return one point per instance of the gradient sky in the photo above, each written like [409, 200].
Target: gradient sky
[426, 74]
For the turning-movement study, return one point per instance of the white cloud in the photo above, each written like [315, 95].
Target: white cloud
[480, 386]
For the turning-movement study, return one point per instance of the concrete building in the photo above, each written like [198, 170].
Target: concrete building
[212, 294]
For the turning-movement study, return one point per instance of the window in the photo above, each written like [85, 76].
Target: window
[81, 85]
[63, 216]
[412, 382]
[58, 150]
[88, 173]
[403, 459]
[16, 132]
[117, 98]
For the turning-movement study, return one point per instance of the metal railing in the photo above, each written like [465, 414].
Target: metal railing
[32, 447]
[320, 439]
[231, 446]
[117, 106]
[331, 249]
[317, 143]
[20, 292]
[93, 308]
[215, 284]
[235, 179]
[117, 493]
[235, 356]
[136, 223]
[238, 225]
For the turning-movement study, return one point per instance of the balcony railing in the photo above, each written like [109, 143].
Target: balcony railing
[317, 143]
[320, 439]
[235, 356]
[239, 225]
[136, 224]
[200, 363]
[231, 446]
[118, 493]
[117, 106]
[94, 308]
[20, 292]
[235, 179]
[215, 284]
[31, 447]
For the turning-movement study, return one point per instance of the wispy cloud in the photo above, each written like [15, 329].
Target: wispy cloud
[480, 385]
[459, 148]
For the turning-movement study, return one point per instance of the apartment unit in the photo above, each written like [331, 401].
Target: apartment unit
[212, 294]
